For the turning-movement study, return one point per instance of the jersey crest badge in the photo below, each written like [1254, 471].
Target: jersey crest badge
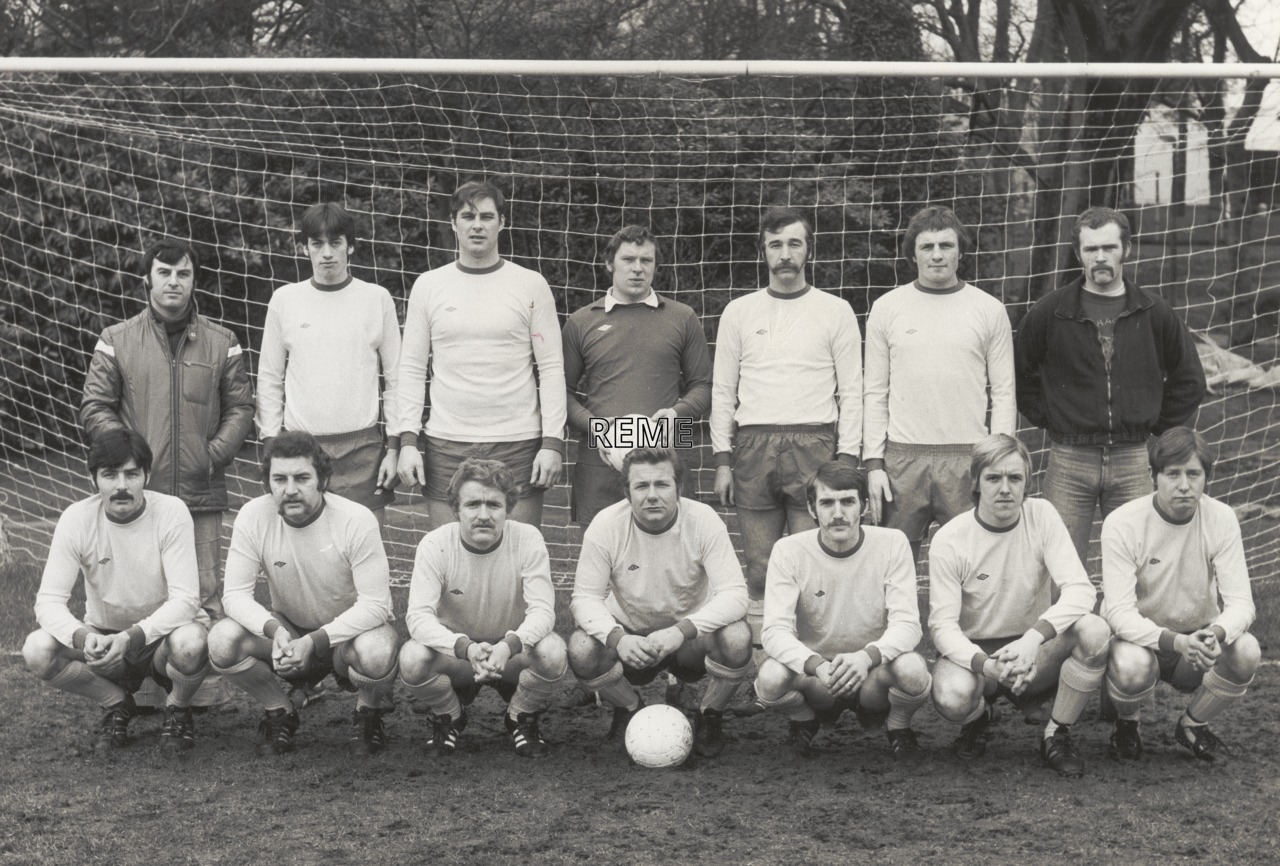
[278, 564]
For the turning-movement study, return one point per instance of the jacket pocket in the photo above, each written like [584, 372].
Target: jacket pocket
[197, 382]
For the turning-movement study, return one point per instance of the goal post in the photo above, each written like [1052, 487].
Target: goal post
[99, 156]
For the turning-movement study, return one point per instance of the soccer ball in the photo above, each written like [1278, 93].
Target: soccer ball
[659, 736]
[623, 445]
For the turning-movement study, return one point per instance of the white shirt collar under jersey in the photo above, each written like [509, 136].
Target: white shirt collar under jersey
[650, 300]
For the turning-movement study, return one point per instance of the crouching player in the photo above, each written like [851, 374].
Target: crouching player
[330, 611]
[481, 610]
[136, 550]
[1167, 559]
[992, 574]
[659, 587]
[841, 620]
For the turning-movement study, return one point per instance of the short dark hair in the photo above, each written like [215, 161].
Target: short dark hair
[990, 449]
[328, 219]
[775, 219]
[631, 234]
[1096, 218]
[934, 218]
[837, 476]
[651, 457]
[171, 251]
[1178, 445]
[114, 448]
[472, 192]
[297, 443]
[490, 473]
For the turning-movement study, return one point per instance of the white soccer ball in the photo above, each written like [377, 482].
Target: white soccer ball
[622, 444]
[659, 736]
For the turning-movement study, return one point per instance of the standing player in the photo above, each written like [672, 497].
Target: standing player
[328, 576]
[481, 610]
[136, 550]
[633, 351]
[659, 587]
[993, 572]
[179, 380]
[1103, 365]
[786, 396]
[324, 345]
[841, 620]
[489, 329]
[1176, 591]
[939, 352]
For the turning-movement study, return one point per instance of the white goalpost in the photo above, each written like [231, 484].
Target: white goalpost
[100, 156]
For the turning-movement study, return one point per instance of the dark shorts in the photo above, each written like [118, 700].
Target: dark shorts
[644, 676]
[1026, 700]
[356, 457]
[1168, 662]
[140, 664]
[772, 463]
[445, 455]
[321, 662]
[930, 483]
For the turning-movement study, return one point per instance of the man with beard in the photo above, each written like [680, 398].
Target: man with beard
[786, 396]
[1103, 365]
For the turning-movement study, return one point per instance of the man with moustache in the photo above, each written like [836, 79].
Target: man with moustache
[1176, 591]
[488, 329]
[136, 550]
[659, 587]
[330, 612]
[786, 396]
[632, 352]
[326, 343]
[842, 620]
[994, 572]
[1102, 365]
[939, 350]
[481, 611]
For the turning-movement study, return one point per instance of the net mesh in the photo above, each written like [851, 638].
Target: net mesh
[100, 165]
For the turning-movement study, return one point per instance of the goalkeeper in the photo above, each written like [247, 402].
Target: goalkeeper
[632, 351]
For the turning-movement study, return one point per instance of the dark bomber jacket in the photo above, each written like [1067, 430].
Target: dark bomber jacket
[1153, 382]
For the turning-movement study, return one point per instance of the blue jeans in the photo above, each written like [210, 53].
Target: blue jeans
[1081, 477]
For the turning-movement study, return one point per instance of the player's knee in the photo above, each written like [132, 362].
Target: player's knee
[1093, 638]
[1131, 668]
[731, 645]
[955, 696]
[188, 647]
[550, 657]
[39, 651]
[225, 643]
[375, 652]
[773, 680]
[417, 661]
[588, 658]
[1242, 658]
[910, 673]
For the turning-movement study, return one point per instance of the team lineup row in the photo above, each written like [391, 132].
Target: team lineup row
[658, 588]
[1100, 363]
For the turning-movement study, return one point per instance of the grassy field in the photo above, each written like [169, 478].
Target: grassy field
[62, 803]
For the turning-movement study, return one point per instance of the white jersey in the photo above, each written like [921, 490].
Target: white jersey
[322, 353]
[1160, 577]
[139, 576]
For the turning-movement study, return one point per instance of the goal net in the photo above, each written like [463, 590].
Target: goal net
[97, 164]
